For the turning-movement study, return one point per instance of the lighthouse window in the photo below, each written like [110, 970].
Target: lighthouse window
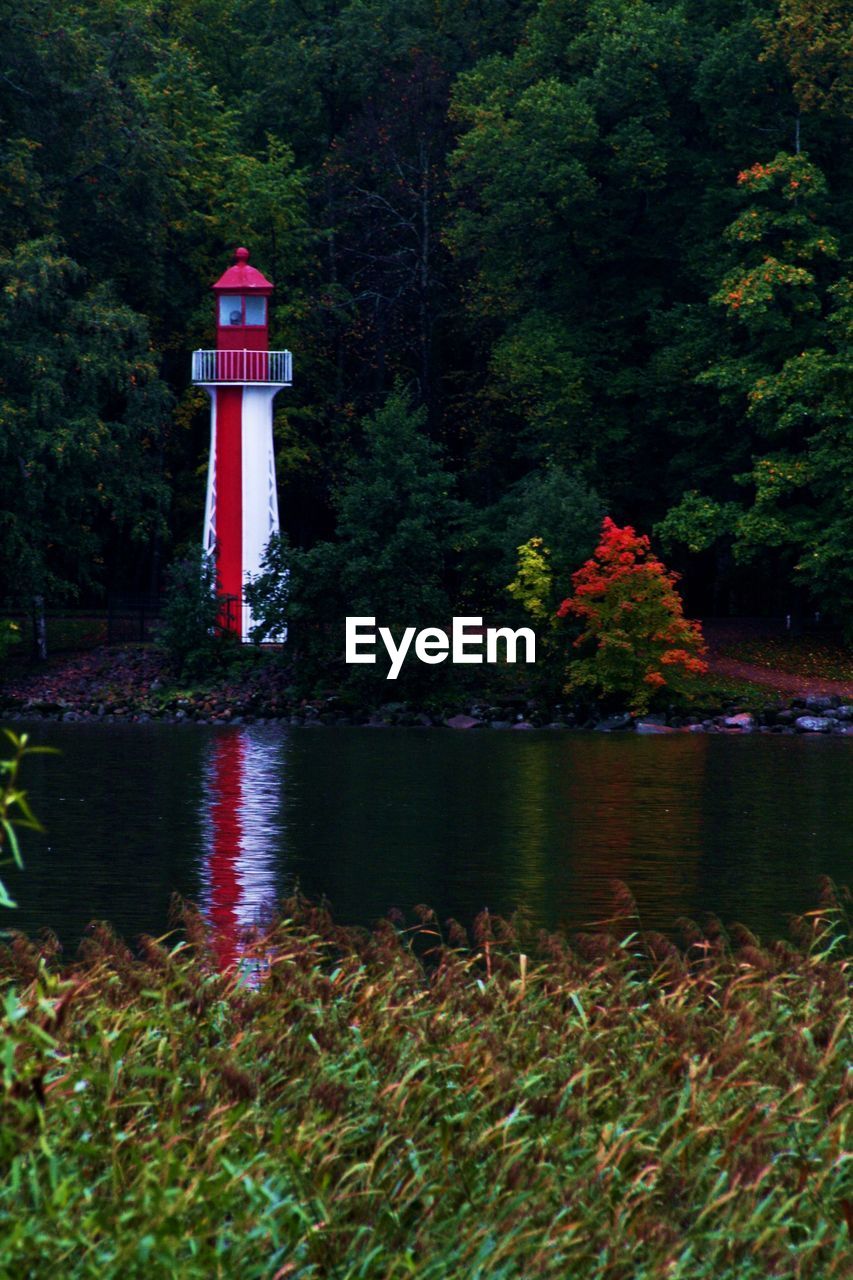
[231, 310]
[256, 310]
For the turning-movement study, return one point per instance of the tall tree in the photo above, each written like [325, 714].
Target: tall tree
[785, 365]
[82, 418]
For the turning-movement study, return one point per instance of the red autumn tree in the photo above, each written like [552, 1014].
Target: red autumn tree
[636, 640]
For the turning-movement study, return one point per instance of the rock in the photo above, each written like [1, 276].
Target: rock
[813, 724]
[844, 712]
[463, 722]
[500, 724]
[612, 723]
[786, 717]
[818, 702]
[43, 707]
[743, 721]
[651, 726]
[180, 714]
[523, 724]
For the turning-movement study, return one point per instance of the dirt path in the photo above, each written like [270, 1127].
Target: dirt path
[781, 681]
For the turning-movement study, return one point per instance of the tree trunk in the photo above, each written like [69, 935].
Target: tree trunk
[39, 629]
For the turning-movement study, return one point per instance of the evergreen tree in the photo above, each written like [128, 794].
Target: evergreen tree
[82, 419]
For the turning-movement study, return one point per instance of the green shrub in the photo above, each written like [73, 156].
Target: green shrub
[189, 630]
[10, 635]
[15, 811]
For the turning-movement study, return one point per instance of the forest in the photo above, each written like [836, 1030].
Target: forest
[539, 262]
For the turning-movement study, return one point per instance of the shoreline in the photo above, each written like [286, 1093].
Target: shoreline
[818, 715]
[133, 685]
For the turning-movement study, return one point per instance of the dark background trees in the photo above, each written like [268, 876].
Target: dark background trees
[528, 213]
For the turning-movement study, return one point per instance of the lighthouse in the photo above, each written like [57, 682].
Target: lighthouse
[242, 377]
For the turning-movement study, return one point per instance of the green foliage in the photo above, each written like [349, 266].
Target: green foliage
[517, 209]
[82, 411]
[636, 639]
[533, 585]
[395, 518]
[534, 589]
[557, 506]
[15, 811]
[697, 522]
[395, 525]
[548, 502]
[10, 635]
[189, 629]
[787, 363]
[395, 534]
[355, 1110]
[269, 593]
[812, 37]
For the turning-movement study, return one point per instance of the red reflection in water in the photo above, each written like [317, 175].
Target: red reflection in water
[227, 775]
[241, 802]
[639, 825]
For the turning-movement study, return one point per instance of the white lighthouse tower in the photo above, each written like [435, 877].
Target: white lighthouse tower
[242, 377]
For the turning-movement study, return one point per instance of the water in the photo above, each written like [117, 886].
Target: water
[233, 818]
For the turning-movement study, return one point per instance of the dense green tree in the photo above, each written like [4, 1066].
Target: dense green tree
[395, 521]
[549, 504]
[82, 419]
[398, 529]
[785, 365]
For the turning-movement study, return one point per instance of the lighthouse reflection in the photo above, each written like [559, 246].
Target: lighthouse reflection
[242, 824]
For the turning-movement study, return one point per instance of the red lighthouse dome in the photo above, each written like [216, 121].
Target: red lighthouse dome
[241, 306]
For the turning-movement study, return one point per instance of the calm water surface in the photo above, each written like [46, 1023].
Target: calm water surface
[233, 818]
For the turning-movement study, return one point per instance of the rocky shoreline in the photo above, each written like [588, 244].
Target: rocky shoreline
[133, 685]
[819, 714]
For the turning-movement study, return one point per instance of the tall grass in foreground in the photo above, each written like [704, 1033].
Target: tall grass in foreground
[401, 1104]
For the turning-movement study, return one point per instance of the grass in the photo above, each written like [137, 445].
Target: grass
[807, 656]
[722, 691]
[397, 1104]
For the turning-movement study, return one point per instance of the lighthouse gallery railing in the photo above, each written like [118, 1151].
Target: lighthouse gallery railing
[243, 366]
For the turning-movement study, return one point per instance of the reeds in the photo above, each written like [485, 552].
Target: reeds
[402, 1103]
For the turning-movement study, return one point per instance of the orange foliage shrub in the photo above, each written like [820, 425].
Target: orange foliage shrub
[634, 623]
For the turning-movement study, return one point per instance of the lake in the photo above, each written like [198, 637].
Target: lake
[372, 819]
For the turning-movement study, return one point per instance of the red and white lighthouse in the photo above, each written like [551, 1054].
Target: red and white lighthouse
[242, 377]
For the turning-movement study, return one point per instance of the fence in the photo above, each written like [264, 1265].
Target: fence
[242, 366]
[132, 619]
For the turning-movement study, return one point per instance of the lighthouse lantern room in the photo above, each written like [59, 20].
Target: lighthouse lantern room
[242, 377]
